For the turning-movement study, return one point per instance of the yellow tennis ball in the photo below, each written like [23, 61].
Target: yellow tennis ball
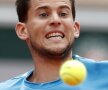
[73, 72]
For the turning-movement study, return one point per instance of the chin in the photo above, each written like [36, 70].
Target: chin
[57, 48]
[57, 52]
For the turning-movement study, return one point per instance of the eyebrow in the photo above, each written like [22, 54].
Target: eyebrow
[42, 7]
[46, 7]
[65, 6]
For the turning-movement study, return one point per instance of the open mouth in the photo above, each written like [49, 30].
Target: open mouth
[54, 34]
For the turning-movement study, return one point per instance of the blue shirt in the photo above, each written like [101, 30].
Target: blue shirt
[97, 79]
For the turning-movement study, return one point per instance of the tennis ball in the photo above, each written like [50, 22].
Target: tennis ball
[73, 72]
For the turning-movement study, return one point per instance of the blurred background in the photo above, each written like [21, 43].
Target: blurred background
[15, 58]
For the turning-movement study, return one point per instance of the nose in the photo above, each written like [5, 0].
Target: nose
[55, 20]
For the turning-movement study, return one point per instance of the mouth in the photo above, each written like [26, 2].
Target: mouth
[54, 34]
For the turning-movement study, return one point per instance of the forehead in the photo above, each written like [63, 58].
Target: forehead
[49, 3]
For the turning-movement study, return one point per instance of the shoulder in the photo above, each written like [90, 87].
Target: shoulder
[13, 82]
[87, 60]
[92, 65]
[83, 59]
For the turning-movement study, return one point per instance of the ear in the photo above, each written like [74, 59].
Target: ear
[76, 29]
[21, 31]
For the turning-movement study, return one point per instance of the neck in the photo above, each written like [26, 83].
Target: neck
[46, 70]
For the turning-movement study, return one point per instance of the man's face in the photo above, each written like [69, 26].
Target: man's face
[50, 26]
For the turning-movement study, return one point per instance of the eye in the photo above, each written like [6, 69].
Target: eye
[63, 14]
[43, 15]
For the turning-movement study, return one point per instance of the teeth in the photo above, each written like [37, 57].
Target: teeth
[54, 35]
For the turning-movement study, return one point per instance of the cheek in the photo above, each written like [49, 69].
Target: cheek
[71, 35]
[35, 27]
[69, 29]
[34, 33]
